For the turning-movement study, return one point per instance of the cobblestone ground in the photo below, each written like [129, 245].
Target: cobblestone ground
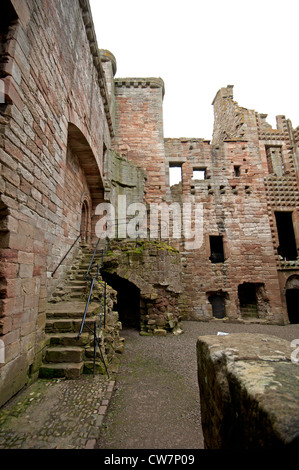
[51, 414]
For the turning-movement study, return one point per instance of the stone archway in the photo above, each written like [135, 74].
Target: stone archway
[128, 300]
[292, 298]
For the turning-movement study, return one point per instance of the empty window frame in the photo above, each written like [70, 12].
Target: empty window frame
[175, 173]
[274, 160]
[237, 171]
[199, 174]
[216, 247]
[287, 248]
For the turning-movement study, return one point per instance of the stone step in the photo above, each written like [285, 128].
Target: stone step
[67, 370]
[68, 339]
[70, 354]
[77, 283]
[70, 309]
[67, 325]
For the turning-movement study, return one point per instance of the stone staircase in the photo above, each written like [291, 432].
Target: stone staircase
[65, 354]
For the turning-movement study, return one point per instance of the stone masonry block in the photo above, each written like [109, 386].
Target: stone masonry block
[248, 391]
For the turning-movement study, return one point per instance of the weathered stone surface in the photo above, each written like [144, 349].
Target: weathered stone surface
[155, 269]
[249, 392]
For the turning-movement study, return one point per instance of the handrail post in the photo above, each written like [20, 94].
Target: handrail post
[53, 273]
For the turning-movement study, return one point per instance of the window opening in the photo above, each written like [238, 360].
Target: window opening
[199, 174]
[274, 160]
[175, 174]
[248, 299]
[287, 243]
[217, 251]
[237, 171]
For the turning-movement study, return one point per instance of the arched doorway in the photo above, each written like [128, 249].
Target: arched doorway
[292, 298]
[128, 300]
[85, 222]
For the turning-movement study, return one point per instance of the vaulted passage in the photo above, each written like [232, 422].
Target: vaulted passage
[128, 300]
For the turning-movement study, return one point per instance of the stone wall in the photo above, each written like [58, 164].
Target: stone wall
[55, 125]
[154, 268]
[233, 210]
[249, 175]
[139, 129]
[248, 392]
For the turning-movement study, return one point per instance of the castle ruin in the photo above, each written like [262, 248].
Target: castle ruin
[73, 136]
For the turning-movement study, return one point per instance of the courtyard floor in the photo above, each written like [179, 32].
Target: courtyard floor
[152, 403]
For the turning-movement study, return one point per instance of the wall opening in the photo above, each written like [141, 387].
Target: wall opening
[274, 160]
[175, 174]
[248, 299]
[292, 298]
[199, 174]
[85, 223]
[287, 243]
[4, 243]
[237, 171]
[128, 300]
[217, 250]
[8, 22]
[218, 305]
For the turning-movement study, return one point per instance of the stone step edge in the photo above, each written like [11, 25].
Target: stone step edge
[67, 370]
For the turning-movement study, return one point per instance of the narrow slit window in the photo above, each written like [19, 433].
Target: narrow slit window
[287, 248]
[217, 251]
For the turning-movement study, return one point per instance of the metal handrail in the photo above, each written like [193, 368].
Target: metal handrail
[65, 255]
[97, 328]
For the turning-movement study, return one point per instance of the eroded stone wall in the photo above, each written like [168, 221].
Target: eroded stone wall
[154, 268]
[248, 392]
[54, 124]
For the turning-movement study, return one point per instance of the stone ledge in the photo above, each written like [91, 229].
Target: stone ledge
[137, 82]
[249, 392]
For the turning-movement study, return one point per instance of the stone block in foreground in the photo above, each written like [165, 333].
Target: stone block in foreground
[249, 392]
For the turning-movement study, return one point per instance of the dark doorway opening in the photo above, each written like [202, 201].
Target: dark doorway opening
[218, 306]
[248, 299]
[287, 242]
[217, 251]
[292, 298]
[128, 300]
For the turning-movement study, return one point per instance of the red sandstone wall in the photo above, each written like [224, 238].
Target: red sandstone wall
[240, 208]
[53, 78]
[139, 130]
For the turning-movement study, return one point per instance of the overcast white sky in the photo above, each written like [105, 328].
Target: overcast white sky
[200, 46]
